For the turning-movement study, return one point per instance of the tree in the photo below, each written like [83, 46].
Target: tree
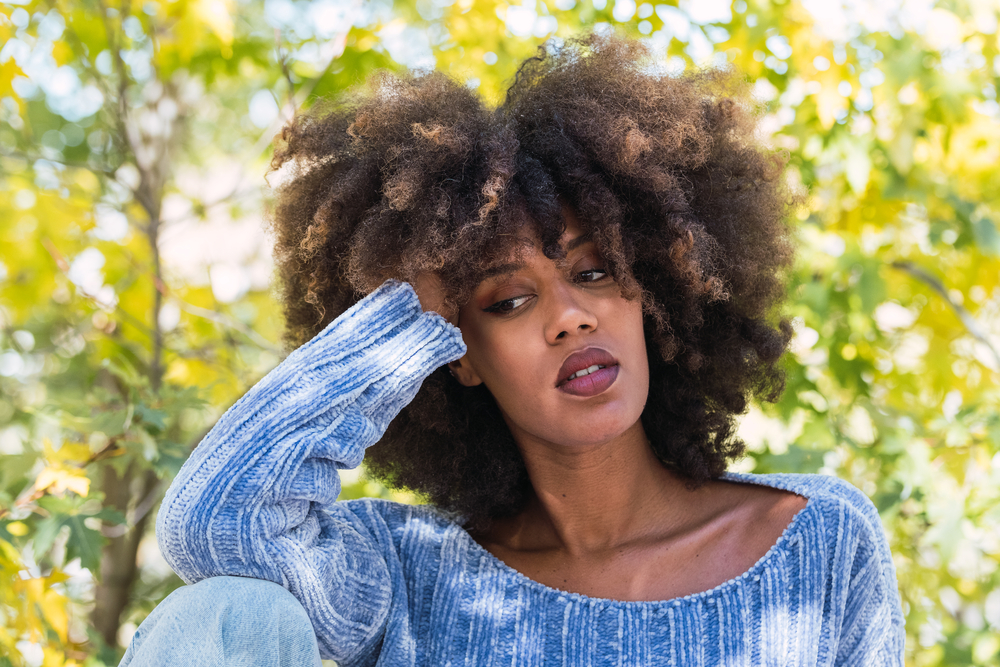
[128, 129]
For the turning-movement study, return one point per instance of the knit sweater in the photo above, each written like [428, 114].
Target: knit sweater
[392, 584]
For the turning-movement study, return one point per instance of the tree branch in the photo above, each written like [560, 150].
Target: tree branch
[81, 50]
[230, 322]
[297, 98]
[114, 47]
[971, 324]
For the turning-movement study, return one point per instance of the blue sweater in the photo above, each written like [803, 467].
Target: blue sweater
[393, 584]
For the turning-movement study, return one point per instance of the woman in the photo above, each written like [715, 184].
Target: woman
[596, 266]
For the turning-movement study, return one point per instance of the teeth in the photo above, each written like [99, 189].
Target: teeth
[585, 371]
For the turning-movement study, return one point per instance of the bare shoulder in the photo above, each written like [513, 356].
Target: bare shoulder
[775, 505]
[828, 492]
[758, 500]
[757, 514]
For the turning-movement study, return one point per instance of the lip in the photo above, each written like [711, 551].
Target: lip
[594, 383]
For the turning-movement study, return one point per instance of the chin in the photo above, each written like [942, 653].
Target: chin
[577, 426]
[583, 434]
[595, 437]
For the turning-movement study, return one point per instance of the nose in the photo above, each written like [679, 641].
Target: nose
[568, 314]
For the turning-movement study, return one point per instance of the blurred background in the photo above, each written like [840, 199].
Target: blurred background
[135, 277]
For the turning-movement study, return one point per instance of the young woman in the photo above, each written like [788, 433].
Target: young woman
[597, 266]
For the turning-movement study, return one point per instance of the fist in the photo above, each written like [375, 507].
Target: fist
[431, 293]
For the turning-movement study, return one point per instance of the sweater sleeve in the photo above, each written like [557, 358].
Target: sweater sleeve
[251, 501]
[873, 632]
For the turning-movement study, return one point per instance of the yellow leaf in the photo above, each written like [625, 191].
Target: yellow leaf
[178, 372]
[87, 181]
[68, 452]
[57, 577]
[53, 606]
[17, 528]
[218, 14]
[32, 589]
[8, 71]
[59, 480]
[52, 657]
[62, 52]
[828, 102]
[9, 553]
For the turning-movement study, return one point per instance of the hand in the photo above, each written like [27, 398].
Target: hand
[431, 293]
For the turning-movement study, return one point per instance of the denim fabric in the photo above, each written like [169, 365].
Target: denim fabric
[226, 622]
[398, 585]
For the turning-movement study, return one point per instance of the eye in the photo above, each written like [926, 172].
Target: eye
[507, 305]
[591, 275]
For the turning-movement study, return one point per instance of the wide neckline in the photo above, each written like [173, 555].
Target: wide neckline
[743, 478]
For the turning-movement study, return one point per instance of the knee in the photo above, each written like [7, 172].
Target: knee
[265, 600]
[233, 615]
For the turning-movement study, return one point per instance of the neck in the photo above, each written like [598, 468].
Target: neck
[593, 498]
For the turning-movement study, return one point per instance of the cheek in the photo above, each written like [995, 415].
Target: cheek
[631, 332]
[505, 362]
[637, 335]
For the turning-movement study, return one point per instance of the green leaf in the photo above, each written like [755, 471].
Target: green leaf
[84, 543]
[152, 417]
[45, 534]
[796, 459]
[987, 236]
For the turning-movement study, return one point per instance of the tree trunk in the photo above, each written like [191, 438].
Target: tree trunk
[130, 493]
[118, 558]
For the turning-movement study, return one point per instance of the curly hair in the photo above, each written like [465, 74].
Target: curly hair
[415, 173]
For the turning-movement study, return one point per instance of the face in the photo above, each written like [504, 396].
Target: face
[557, 345]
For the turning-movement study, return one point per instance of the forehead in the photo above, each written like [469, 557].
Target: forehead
[573, 227]
[528, 244]
[526, 236]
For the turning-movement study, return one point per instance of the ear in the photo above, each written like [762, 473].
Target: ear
[464, 372]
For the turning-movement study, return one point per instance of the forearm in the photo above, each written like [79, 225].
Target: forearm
[259, 477]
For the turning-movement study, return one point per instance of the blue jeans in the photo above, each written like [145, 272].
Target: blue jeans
[223, 622]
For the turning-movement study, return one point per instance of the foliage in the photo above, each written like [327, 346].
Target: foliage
[134, 302]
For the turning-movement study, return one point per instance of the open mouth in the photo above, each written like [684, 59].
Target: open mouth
[585, 371]
[588, 372]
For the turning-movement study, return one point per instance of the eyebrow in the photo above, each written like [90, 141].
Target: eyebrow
[579, 241]
[501, 270]
[511, 267]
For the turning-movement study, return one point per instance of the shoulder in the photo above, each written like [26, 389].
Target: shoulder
[840, 525]
[836, 509]
[823, 490]
[844, 527]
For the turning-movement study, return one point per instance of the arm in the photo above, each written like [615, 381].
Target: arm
[250, 501]
[873, 633]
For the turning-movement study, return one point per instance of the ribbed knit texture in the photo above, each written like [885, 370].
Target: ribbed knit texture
[393, 584]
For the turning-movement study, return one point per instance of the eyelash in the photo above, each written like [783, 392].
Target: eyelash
[500, 306]
[603, 272]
